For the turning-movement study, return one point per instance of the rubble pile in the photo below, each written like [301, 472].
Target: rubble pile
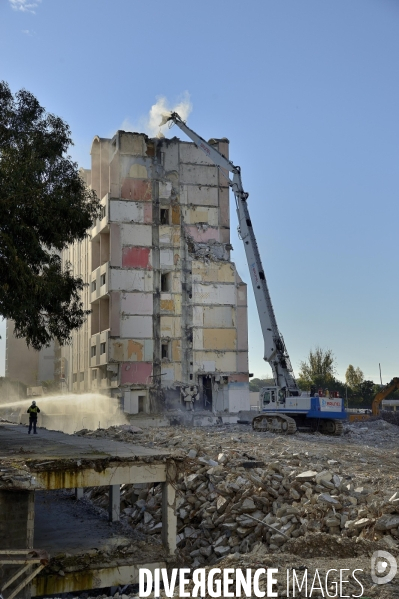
[238, 488]
[320, 569]
[390, 416]
[376, 432]
[221, 506]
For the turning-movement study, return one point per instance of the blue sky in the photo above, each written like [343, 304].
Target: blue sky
[308, 94]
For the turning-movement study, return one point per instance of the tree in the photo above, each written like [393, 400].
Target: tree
[367, 391]
[318, 369]
[354, 377]
[44, 206]
[257, 384]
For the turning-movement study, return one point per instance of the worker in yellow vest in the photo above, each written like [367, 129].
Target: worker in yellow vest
[33, 411]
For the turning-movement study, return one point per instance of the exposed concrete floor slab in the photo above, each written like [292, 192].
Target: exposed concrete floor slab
[53, 460]
[15, 441]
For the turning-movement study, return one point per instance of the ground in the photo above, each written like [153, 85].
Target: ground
[333, 497]
[307, 502]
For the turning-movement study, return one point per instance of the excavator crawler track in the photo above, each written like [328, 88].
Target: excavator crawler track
[332, 427]
[274, 423]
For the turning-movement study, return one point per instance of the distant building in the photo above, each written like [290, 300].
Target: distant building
[169, 310]
[390, 404]
[26, 364]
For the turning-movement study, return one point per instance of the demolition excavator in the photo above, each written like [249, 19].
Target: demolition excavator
[375, 406]
[283, 406]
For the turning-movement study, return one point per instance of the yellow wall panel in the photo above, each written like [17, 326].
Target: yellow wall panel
[219, 339]
[220, 272]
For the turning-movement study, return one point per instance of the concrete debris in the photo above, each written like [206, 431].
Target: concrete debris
[306, 476]
[209, 251]
[311, 490]
[20, 477]
[387, 522]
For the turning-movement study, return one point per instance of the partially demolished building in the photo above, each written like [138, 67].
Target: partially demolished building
[168, 327]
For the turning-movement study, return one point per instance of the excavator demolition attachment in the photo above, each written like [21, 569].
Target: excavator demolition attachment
[280, 423]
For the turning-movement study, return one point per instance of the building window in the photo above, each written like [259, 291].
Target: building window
[93, 286]
[102, 212]
[102, 348]
[93, 351]
[166, 281]
[82, 377]
[75, 377]
[94, 374]
[102, 280]
[164, 216]
[141, 403]
[165, 350]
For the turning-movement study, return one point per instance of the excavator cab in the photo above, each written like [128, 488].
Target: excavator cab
[268, 398]
[271, 398]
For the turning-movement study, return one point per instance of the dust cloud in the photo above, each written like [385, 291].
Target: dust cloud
[150, 123]
[67, 412]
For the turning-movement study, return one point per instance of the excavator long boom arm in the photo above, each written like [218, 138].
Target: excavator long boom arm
[274, 348]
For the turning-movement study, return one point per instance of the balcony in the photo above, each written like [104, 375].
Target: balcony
[104, 377]
[99, 283]
[99, 349]
[102, 223]
[100, 384]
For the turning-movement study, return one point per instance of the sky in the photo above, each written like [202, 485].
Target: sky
[307, 93]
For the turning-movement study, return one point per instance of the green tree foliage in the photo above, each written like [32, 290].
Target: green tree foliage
[44, 206]
[257, 384]
[393, 395]
[354, 377]
[367, 391]
[359, 391]
[318, 369]
[362, 395]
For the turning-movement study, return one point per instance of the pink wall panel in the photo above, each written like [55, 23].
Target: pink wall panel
[238, 378]
[199, 234]
[115, 309]
[136, 372]
[135, 257]
[136, 189]
[148, 213]
[115, 239]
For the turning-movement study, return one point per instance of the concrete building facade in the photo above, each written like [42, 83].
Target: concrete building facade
[168, 327]
[25, 364]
